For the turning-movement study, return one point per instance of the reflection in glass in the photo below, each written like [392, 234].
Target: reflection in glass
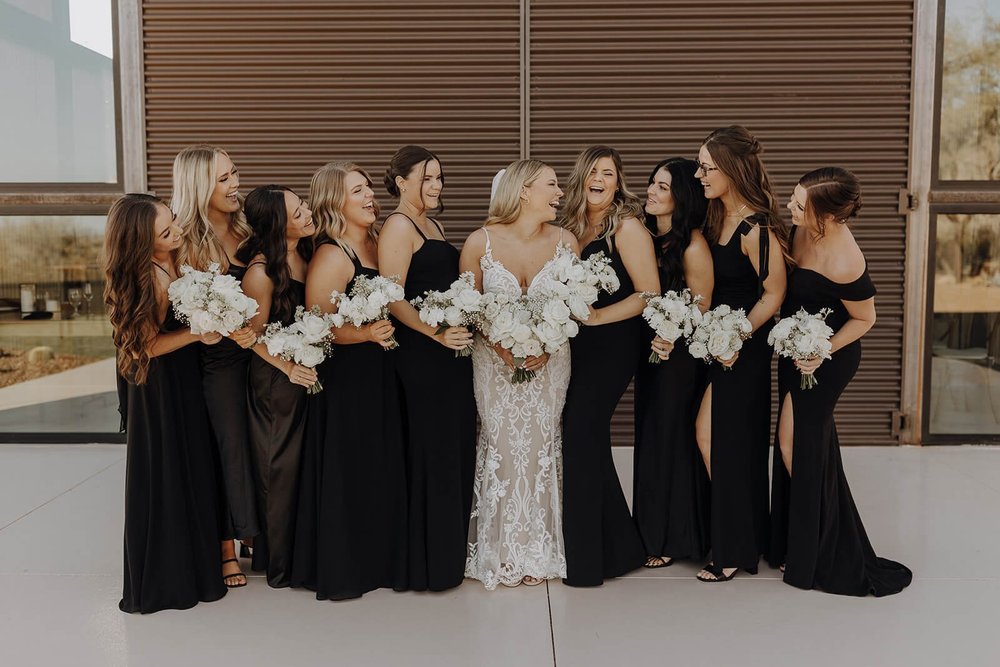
[970, 92]
[57, 120]
[965, 330]
[57, 372]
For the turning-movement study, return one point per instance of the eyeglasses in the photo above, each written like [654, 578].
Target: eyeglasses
[705, 169]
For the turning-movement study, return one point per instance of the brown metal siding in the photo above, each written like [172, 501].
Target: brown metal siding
[819, 82]
[286, 87]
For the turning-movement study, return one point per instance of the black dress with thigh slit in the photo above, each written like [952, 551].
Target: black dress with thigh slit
[670, 497]
[601, 537]
[351, 531]
[741, 415]
[816, 530]
[439, 426]
[277, 426]
[224, 383]
[172, 555]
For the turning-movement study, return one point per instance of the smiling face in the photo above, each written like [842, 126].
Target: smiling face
[299, 217]
[423, 185]
[166, 233]
[716, 183]
[659, 200]
[542, 196]
[797, 206]
[359, 205]
[227, 185]
[601, 184]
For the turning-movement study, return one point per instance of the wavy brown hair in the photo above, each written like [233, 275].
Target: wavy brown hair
[831, 192]
[129, 288]
[193, 184]
[737, 153]
[624, 205]
[327, 195]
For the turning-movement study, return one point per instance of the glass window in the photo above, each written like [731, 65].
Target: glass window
[965, 330]
[57, 122]
[57, 368]
[970, 92]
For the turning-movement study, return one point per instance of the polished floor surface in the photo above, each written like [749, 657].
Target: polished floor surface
[935, 509]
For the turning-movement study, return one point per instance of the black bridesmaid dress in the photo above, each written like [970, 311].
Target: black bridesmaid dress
[351, 530]
[224, 383]
[439, 419]
[670, 498]
[741, 415]
[172, 556]
[816, 531]
[600, 535]
[277, 419]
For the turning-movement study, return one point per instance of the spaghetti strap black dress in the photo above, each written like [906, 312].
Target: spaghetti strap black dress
[816, 530]
[277, 426]
[439, 426]
[741, 415]
[350, 535]
[670, 497]
[225, 366]
[601, 537]
[172, 556]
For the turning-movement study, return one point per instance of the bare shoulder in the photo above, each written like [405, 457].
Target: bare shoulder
[632, 228]
[476, 241]
[698, 246]
[256, 273]
[396, 225]
[330, 255]
[846, 263]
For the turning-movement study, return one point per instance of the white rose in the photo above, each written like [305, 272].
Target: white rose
[556, 311]
[698, 350]
[231, 321]
[720, 345]
[314, 328]
[453, 316]
[202, 322]
[309, 356]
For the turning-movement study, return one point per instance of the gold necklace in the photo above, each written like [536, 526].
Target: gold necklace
[739, 212]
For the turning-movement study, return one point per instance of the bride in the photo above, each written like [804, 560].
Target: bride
[515, 535]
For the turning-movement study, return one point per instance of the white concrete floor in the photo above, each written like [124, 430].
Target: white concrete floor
[934, 509]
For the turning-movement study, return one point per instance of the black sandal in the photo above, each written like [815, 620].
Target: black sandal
[717, 572]
[234, 574]
[656, 562]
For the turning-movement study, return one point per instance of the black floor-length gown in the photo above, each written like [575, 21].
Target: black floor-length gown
[277, 419]
[439, 426]
[172, 556]
[816, 531]
[224, 382]
[741, 415]
[600, 535]
[351, 532]
[670, 497]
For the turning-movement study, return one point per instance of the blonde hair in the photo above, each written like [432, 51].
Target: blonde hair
[505, 207]
[194, 178]
[327, 196]
[624, 205]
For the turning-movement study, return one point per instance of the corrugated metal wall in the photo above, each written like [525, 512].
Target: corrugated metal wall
[286, 87]
[819, 82]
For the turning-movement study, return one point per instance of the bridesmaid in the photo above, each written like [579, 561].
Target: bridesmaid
[172, 556]
[734, 418]
[277, 256]
[208, 207]
[670, 496]
[602, 540]
[439, 410]
[351, 535]
[816, 532]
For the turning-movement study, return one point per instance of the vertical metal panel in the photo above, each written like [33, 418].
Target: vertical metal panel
[286, 87]
[819, 82]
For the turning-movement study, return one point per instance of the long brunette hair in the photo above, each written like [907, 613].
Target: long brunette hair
[690, 206]
[736, 153]
[267, 215]
[129, 289]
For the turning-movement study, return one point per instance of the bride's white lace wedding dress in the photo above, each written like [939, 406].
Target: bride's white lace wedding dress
[516, 527]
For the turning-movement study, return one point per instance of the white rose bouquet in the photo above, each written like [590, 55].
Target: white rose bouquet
[510, 323]
[671, 316]
[307, 341]
[210, 301]
[368, 302]
[803, 336]
[578, 281]
[720, 334]
[461, 305]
